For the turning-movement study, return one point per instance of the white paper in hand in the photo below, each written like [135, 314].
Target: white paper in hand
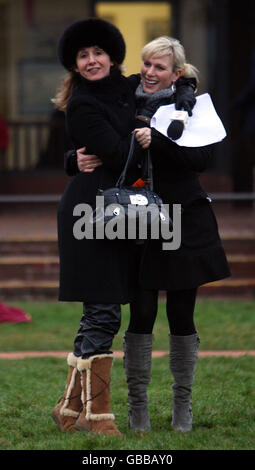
[204, 126]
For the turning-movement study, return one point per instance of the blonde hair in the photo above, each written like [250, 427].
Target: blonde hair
[65, 91]
[165, 45]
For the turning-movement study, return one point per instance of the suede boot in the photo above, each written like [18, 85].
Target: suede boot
[137, 365]
[68, 408]
[183, 360]
[95, 379]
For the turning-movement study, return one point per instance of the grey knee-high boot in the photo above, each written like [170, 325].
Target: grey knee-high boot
[183, 360]
[137, 364]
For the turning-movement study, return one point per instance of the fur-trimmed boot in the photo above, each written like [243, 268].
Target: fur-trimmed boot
[137, 365]
[95, 378]
[69, 407]
[183, 360]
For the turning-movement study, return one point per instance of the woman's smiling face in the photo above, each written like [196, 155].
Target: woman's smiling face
[157, 73]
[93, 63]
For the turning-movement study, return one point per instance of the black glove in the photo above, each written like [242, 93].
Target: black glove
[150, 108]
[185, 94]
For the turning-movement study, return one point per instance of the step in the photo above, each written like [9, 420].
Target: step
[42, 290]
[29, 290]
[48, 245]
[46, 265]
[236, 242]
[233, 242]
[36, 182]
[229, 287]
[241, 265]
[27, 268]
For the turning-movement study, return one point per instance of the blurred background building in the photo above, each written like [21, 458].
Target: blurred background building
[219, 38]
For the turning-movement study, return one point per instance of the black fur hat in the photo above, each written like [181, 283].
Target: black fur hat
[90, 32]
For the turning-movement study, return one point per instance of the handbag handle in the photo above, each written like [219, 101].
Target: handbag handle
[121, 180]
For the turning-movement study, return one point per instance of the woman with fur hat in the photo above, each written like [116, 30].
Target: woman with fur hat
[99, 103]
[100, 109]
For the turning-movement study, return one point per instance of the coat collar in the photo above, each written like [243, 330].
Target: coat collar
[112, 85]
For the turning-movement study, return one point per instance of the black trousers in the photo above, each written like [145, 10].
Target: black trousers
[180, 305]
[101, 322]
[98, 326]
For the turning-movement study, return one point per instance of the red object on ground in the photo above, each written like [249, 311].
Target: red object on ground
[12, 314]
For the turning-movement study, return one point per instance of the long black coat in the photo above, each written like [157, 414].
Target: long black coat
[100, 116]
[201, 257]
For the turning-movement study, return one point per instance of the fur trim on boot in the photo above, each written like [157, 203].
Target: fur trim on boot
[183, 360]
[95, 379]
[69, 407]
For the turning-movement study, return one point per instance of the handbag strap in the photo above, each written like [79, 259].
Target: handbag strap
[149, 169]
[148, 173]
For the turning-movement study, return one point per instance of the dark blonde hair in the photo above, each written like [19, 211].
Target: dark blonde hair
[166, 45]
[65, 91]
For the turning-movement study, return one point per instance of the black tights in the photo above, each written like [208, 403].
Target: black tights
[180, 307]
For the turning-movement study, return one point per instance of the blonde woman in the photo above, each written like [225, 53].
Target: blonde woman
[200, 258]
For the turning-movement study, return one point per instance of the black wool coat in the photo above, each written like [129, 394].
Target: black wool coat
[100, 116]
[200, 258]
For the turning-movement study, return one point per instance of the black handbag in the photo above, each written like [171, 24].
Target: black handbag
[129, 212]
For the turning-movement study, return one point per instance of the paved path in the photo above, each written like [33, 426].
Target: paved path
[119, 354]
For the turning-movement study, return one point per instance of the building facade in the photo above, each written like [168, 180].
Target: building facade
[218, 37]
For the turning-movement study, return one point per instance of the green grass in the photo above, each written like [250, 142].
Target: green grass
[223, 392]
[222, 324]
[223, 408]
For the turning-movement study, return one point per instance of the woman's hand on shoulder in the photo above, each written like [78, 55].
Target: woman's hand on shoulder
[87, 163]
[143, 136]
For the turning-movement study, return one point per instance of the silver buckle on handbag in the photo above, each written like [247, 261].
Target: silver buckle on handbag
[116, 211]
[138, 199]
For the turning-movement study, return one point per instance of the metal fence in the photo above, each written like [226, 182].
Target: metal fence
[27, 141]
